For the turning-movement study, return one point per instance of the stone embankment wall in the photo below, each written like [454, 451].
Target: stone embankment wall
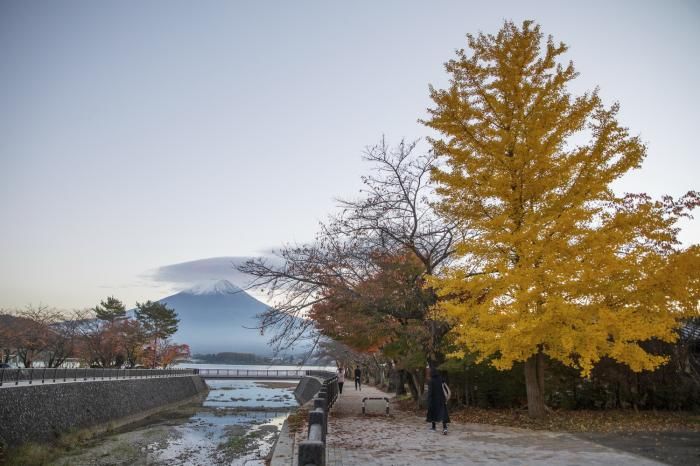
[40, 413]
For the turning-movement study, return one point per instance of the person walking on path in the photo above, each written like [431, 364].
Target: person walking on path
[358, 378]
[438, 394]
[341, 379]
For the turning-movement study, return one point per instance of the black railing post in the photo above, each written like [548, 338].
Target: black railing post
[324, 396]
[317, 416]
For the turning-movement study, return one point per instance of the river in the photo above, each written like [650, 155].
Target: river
[236, 424]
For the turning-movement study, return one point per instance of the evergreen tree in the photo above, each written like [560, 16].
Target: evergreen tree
[110, 310]
[159, 322]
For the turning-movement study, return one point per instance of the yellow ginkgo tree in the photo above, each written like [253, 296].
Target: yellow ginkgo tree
[555, 263]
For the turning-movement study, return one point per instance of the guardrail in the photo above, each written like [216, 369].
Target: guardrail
[312, 451]
[56, 375]
[252, 373]
[260, 373]
[364, 403]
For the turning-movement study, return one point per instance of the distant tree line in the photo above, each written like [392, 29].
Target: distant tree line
[104, 336]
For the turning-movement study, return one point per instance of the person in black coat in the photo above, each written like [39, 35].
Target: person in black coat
[437, 401]
[358, 378]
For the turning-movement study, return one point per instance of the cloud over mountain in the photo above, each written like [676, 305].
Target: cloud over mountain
[186, 274]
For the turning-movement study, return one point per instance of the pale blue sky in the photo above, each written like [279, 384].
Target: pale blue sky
[135, 135]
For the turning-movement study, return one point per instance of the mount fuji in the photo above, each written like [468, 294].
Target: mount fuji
[219, 317]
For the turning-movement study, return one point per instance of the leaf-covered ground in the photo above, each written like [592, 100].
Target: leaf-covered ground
[586, 421]
[403, 438]
[579, 421]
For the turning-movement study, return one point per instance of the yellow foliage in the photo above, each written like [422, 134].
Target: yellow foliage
[554, 260]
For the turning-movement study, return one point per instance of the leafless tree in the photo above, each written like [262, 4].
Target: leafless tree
[300, 277]
[62, 340]
[99, 341]
[9, 335]
[395, 211]
[34, 332]
[392, 214]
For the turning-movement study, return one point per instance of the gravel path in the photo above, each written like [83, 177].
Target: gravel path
[404, 439]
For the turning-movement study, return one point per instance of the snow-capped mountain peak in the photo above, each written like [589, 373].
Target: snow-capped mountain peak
[220, 287]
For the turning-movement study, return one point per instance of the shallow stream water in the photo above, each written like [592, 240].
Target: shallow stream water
[237, 423]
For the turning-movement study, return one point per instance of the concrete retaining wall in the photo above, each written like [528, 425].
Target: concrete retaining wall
[282, 452]
[308, 388]
[42, 412]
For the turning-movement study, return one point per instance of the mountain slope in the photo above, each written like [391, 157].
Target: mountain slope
[218, 317]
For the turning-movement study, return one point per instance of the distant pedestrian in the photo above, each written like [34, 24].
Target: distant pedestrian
[438, 394]
[341, 379]
[358, 378]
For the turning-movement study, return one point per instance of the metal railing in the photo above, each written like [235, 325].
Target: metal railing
[312, 451]
[261, 373]
[252, 373]
[55, 375]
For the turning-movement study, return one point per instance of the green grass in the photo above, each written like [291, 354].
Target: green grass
[38, 454]
[30, 454]
[297, 420]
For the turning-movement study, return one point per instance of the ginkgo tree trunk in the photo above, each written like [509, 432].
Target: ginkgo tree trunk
[556, 265]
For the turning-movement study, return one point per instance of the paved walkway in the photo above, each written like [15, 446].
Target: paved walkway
[404, 439]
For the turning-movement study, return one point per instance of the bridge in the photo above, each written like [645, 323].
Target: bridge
[255, 374]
